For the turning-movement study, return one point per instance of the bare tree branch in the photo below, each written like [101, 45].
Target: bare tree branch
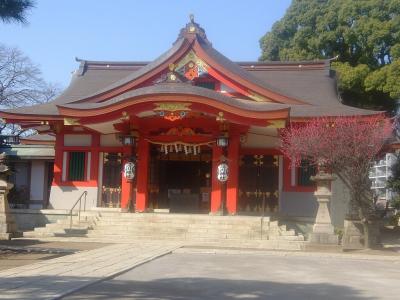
[21, 84]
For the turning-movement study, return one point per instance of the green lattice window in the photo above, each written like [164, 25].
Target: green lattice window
[76, 170]
[305, 171]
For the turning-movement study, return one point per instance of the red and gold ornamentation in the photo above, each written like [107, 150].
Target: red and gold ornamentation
[172, 111]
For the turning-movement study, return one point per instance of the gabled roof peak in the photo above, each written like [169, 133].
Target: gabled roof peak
[193, 29]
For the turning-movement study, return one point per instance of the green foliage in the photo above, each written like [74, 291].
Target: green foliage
[339, 232]
[385, 79]
[365, 35]
[351, 78]
[14, 10]
[394, 220]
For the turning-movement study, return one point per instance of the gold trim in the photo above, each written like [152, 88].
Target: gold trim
[172, 106]
[71, 122]
[191, 56]
[276, 124]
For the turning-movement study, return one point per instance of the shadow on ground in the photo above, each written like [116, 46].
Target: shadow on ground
[34, 243]
[210, 288]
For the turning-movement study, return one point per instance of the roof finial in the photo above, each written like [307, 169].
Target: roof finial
[191, 17]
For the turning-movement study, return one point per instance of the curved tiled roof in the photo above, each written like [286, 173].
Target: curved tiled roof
[181, 88]
[309, 82]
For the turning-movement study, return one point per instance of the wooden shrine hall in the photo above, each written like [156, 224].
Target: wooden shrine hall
[191, 131]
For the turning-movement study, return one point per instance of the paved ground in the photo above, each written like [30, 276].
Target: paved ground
[76, 246]
[11, 259]
[252, 275]
[16, 253]
[194, 272]
[53, 278]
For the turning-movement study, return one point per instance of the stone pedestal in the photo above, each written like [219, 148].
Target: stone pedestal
[8, 227]
[323, 231]
[353, 237]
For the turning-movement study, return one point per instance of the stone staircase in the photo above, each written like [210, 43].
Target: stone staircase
[227, 231]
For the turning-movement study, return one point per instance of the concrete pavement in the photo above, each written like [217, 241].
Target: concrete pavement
[201, 269]
[239, 275]
[54, 278]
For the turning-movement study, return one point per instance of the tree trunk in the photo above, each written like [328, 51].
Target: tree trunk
[356, 208]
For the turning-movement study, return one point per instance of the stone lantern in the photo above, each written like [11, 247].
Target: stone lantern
[8, 227]
[323, 231]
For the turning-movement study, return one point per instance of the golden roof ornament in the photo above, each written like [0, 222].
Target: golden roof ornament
[193, 28]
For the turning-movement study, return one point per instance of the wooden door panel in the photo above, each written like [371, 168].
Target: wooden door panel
[258, 184]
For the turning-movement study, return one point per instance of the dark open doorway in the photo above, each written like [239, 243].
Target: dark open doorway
[180, 183]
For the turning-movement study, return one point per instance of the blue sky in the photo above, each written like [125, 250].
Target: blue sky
[60, 30]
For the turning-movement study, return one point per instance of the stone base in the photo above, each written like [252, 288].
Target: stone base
[8, 236]
[323, 228]
[324, 238]
[353, 237]
[217, 213]
[8, 227]
[5, 236]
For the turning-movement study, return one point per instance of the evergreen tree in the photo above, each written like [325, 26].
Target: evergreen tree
[15, 10]
[364, 35]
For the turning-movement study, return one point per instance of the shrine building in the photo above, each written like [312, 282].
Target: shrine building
[190, 132]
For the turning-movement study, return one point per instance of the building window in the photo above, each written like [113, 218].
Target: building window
[305, 171]
[76, 170]
[206, 84]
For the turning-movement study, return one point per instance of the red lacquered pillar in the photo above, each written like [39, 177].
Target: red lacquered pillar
[233, 179]
[142, 174]
[58, 159]
[126, 185]
[215, 184]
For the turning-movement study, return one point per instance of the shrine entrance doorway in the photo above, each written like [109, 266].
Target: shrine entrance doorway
[258, 184]
[111, 181]
[179, 182]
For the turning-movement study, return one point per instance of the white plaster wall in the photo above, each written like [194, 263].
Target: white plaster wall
[38, 176]
[77, 140]
[260, 141]
[298, 204]
[109, 140]
[64, 197]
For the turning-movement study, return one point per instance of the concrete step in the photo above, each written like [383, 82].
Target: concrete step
[147, 227]
[115, 226]
[181, 217]
[180, 221]
[188, 235]
[83, 220]
[286, 238]
[55, 226]
[226, 242]
[119, 227]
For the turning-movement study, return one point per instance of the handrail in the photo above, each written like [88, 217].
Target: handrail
[80, 207]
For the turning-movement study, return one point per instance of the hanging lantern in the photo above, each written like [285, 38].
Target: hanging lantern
[222, 141]
[222, 172]
[127, 140]
[129, 170]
